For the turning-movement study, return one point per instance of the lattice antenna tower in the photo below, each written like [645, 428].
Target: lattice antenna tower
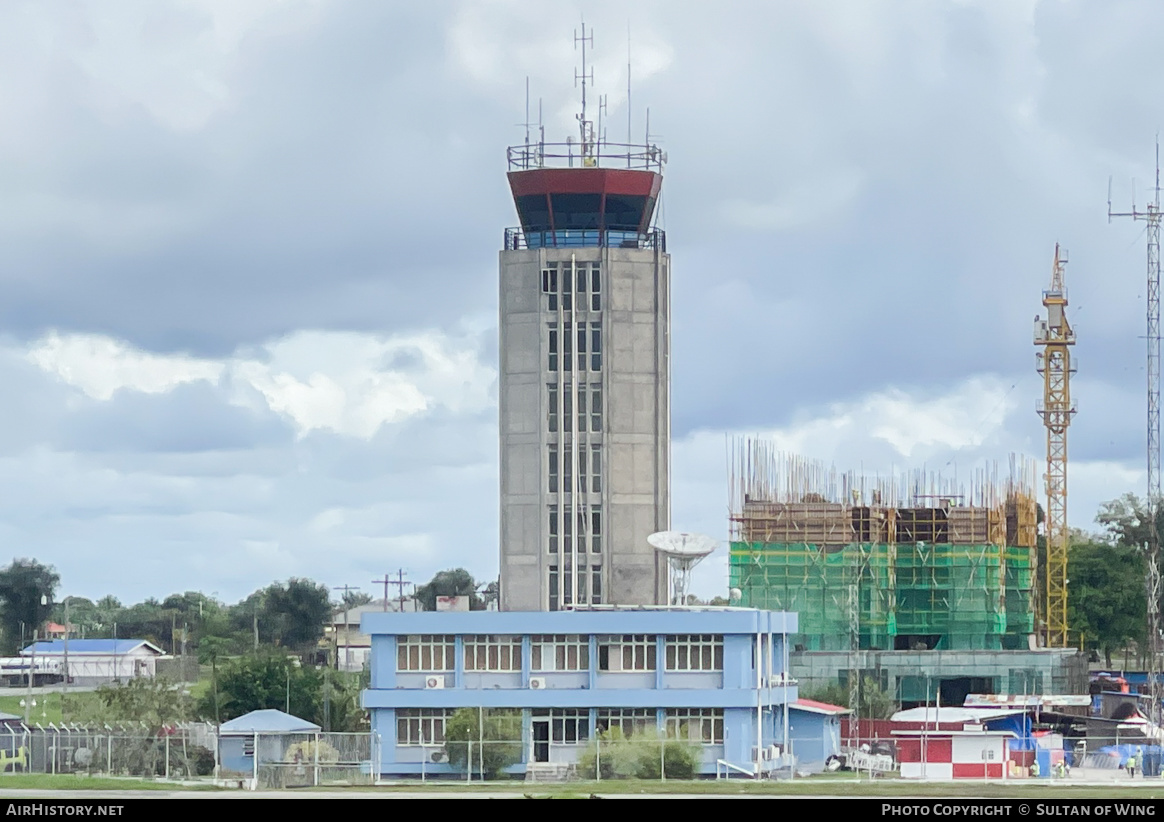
[585, 125]
[1055, 337]
[1151, 216]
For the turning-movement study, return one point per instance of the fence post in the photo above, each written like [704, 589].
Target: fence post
[663, 758]
[255, 764]
[315, 777]
[598, 758]
[167, 756]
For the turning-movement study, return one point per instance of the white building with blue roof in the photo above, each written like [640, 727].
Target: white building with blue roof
[96, 661]
[715, 676]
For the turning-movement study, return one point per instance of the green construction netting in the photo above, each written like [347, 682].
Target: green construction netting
[947, 597]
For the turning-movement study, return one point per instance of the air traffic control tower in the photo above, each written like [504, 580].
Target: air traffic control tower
[585, 352]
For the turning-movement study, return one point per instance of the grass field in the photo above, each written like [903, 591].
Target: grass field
[70, 782]
[813, 786]
[46, 710]
[840, 786]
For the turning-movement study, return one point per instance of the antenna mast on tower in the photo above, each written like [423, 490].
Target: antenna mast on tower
[1152, 217]
[586, 127]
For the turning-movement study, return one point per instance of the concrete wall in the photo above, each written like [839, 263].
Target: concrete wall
[905, 673]
[635, 435]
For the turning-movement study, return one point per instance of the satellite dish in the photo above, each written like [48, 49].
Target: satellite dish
[735, 595]
[683, 552]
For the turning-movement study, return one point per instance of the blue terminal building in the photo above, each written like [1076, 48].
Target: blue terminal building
[713, 676]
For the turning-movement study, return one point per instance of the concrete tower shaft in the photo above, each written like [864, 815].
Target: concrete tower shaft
[585, 381]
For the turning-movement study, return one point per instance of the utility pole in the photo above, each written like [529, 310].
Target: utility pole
[31, 673]
[347, 638]
[399, 582]
[1151, 216]
[66, 687]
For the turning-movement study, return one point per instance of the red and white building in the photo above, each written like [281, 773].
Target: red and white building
[953, 754]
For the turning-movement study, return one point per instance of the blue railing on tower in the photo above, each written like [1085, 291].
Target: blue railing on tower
[517, 238]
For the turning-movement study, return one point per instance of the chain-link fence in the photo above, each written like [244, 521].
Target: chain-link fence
[185, 752]
[542, 758]
[296, 760]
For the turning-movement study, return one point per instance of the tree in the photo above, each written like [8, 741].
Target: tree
[1126, 520]
[500, 730]
[354, 599]
[873, 703]
[1106, 596]
[154, 703]
[265, 680]
[23, 586]
[456, 582]
[298, 613]
[290, 615]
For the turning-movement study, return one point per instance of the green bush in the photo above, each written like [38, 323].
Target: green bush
[638, 757]
[499, 729]
[202, 760]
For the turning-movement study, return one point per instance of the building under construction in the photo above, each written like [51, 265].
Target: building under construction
[910, 563]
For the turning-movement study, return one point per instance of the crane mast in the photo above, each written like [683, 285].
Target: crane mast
[1055, 337]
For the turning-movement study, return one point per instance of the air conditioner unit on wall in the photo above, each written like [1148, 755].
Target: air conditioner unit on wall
[537, 683]
[439, 757]
[436, 682]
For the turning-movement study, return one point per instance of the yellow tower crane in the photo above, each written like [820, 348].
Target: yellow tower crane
[1053, 361]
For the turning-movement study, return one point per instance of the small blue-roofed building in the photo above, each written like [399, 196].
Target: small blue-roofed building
[268, 731]
[714, 676]
[814, 730]
[97, 661]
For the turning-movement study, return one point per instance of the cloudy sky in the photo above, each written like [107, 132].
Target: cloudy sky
[248, 259]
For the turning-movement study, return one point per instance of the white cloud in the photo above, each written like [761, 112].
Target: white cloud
[100, 366]
[331, 381]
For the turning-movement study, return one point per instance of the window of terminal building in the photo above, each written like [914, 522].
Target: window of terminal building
[559, 652]
[595, 407]
[424, 652]
[490, 652]
[552, 465]
[595, 346]
[553, 529]
[702, 725]
[552, 350]
[628, 652]
[420, 726]
[596, 528]
[568, 726]
[596, 468]
[694, 652]
[552, 408]
[629, 721]
[595, 288]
